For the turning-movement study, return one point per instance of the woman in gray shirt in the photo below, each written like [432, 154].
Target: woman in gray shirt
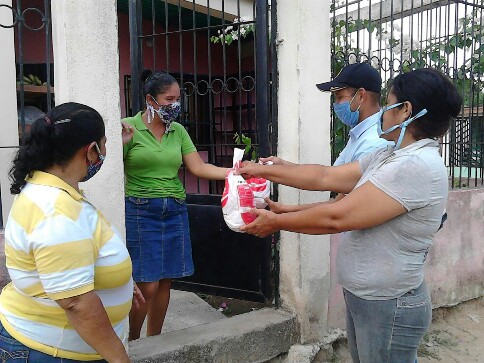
[394, 202]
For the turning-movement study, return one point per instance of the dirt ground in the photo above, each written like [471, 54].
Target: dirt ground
[231, 307]
[455, 336]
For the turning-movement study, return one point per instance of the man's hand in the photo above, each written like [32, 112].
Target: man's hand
[249, 169]
[276, 161]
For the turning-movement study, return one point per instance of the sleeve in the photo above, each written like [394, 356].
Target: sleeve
[407, 180]
[368, 150]
[365, 160]
[187, 145]
[340, 160]
[64, 257]
[130, 143]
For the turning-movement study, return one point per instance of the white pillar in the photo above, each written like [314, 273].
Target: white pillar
[9, 138]
[304, 137]
[85, 44]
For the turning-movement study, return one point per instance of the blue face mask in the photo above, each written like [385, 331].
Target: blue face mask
[403, 125]
[92, 169]
[344, 113]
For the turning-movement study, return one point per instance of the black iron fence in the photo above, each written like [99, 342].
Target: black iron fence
[31, 21]
[222, 56]
[400, 35]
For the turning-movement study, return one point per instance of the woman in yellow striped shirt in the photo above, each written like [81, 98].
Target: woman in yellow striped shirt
[71, 288]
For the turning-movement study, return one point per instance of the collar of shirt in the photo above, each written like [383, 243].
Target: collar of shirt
[43, 178]
[364, 125]
[416, 145]
[138, 122]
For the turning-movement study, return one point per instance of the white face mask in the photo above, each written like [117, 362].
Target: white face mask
[403, 125]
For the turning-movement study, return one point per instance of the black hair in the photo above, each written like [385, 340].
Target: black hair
[430, 89]
[55, 139]
[156, 83]
[374, 97]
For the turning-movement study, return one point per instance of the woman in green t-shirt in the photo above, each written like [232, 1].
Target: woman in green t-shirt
[157, 231]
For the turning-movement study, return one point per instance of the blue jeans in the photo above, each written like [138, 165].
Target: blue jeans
[12, 351]
[384, 331]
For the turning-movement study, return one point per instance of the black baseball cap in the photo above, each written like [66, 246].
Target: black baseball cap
[356, 75]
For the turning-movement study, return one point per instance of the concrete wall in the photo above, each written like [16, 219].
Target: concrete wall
[455, 263]
[85, 43]
[304, 137]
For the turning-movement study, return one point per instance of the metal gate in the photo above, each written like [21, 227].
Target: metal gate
[400, 35]
[221, 54]
[31, 21]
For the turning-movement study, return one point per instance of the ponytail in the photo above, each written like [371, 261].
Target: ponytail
[54, 140]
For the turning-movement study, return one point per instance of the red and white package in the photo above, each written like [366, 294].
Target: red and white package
[240, 196]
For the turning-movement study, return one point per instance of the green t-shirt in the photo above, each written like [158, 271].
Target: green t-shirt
[151, 167]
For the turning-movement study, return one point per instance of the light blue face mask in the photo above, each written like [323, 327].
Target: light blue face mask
[403, 125]
[344, 113]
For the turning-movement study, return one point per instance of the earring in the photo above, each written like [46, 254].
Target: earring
[151, 112]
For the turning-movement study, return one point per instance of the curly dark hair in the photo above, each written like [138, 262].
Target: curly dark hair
[55, 139]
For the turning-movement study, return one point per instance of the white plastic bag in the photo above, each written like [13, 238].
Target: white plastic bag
[241, 195]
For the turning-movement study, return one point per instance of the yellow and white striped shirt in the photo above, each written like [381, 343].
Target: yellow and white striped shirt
[57, 245]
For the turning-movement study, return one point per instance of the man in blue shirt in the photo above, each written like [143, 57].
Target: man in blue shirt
[356, 91]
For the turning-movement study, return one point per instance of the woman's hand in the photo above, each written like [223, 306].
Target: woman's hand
[276, 207]
[127, 132]
[138, 298]
[264, 225]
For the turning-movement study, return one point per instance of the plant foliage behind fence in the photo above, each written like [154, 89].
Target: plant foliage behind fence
[401, 35]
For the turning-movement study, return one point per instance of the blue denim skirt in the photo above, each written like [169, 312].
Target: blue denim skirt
[158, 238]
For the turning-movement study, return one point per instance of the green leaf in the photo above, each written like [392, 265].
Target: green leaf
[435, 55]
[237, 138]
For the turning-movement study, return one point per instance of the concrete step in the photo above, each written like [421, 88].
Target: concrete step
[254, 337]
[186, 310]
